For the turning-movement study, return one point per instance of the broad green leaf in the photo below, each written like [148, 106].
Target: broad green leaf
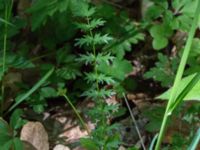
[14, 144]
[160, 33]
[7, 145]
[48, 92]
[89, 144]
[15, 120]
[18, 145]
[5, 132]
[153, 12]
[159, 43]
[194, 94]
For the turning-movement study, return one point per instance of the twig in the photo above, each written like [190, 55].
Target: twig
[135, 123]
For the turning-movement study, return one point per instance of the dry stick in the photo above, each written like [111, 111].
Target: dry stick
[135, 123]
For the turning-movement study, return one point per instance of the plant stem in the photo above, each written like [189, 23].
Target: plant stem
[76, 112]
[8, 11]
[179, 75]
[4, 56]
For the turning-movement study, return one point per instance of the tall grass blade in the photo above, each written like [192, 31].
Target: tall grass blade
[195, 141]
[7, 14]
[179, 75]
[33, 89]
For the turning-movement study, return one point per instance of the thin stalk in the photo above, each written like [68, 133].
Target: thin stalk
[4, 56]
[76, 112]
[178, 77]
[135, 122]
[8, 11]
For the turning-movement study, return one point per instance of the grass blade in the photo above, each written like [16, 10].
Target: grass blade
[153, 142]
[195, 141]
[33, 89]
[6, 22]
[179, 75]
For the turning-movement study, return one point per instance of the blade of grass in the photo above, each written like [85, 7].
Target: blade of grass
[178, 76]
[153, 142]
[4, 55]
[33, 89]
[6, 22]
[7, 14]
[195, 141]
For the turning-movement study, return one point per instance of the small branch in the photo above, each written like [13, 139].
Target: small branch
[135, 123]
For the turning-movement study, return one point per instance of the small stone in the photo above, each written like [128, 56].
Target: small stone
[35, 134]
[61, 147]
[122, 148]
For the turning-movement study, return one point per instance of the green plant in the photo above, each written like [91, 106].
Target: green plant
[37, 45]
[104, 135]
[7, 14]
[166, 17]
[9, 132]
[175, 99]
[62, 92]
[164, 70]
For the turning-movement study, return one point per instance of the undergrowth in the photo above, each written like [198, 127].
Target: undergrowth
[84, 50]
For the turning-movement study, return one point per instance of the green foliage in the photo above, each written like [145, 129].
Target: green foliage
[179, 17]
[175, 99]
[8, 132]
[43, 9]
[104, 69]
[118, 69]
[15, 61]
[193, 94]
[154, 115]
[67, 68]
[90, 45]
[160, 34]
[164, 70]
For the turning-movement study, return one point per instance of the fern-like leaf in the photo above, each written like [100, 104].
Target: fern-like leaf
[89, 40]
[95, 23]
[99, 78]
